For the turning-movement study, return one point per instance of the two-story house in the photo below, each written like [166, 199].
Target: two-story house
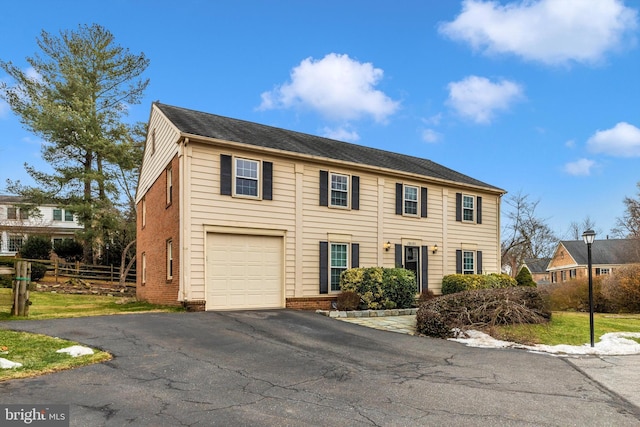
[570, 259]
[236, 215]
[17, 223]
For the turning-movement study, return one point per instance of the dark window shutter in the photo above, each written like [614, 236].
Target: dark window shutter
[324, 267]
[398, 249]
[479, 210]
[458, 206]
[597, 271]
[225, 175]
[324, 188]
[355, 255]
[398, 198]
[423, 202]
[267, 180]
[479, 262]
[355, 192]
[424, 271]
[458, 261]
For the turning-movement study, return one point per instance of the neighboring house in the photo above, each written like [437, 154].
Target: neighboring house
[538, 269]
[18, 223]
[235, 215]
[570, 259]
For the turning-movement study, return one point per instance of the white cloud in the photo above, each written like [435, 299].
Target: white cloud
[623, 140]
[547, 31]
[478, 99]
[341, 134]
[336, 86]
[581, 167]
[571, 143]
[430, 135]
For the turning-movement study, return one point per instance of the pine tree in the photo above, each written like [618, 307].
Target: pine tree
[74, 97]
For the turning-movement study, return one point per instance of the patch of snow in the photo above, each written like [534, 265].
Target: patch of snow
[8, 364]
[610, 344]
[76, 350]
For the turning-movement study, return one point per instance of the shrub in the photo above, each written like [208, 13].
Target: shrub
[481, 309]
[380, 288]
[622, 290]
[524, 278]
[69, 250]
[573, 295]
[348, 300]
[453, 283]
[36, 247]
[37, 271]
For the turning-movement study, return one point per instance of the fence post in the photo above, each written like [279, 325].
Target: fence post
[55, 269]
[21, 289]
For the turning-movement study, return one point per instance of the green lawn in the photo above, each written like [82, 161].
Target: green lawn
[37, 353]
[569, 328]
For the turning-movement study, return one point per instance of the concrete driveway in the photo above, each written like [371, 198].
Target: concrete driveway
[291, 368]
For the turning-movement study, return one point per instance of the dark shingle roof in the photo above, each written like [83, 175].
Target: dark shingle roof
[224, 128]
[10, 199]
[537, 265]
[609, 251]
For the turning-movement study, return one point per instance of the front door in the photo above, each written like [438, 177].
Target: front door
[412, 261]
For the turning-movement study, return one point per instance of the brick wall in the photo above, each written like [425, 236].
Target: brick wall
[311, 303]
[161, 225]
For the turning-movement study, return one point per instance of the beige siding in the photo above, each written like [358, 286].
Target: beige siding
[155, 161]
[370, 226]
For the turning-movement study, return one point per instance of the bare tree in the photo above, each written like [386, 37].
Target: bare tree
[577, 228]
[628, 226]
[525, 235]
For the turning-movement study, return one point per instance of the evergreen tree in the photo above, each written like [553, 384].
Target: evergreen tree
[524, 278]
[74, 97]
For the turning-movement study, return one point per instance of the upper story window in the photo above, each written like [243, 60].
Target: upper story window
[410, 200]
[57, 214]
[339, 190]
[246, 173]
[12, 213]
[68, 215]
[169, 185]
[468, 208]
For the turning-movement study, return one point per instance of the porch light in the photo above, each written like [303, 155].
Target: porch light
[387, 246]
[434, 249]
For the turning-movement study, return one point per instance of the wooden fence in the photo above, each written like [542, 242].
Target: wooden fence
[104, 273]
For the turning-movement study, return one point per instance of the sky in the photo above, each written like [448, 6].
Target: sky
[537, 97]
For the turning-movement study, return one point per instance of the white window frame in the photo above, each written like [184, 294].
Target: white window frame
[335, 189]
[59, 212]
[169, 172]
[144, 268]
[238, 175]
[413, 202]
[334, 268]
[465, 257]
[12, 242]
[68, 216]
[12, 213]
[466, 209]
[144, 211]
[169, 259]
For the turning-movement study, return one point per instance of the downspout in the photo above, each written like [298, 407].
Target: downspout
[184, 226]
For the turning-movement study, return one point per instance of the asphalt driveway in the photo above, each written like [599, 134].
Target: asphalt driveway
[290, 368]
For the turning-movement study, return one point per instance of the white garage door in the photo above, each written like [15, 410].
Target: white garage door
[244, 271]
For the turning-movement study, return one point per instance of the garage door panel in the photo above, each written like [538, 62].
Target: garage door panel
[244, 271]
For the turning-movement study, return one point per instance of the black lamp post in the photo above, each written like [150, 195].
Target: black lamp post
[588, 237]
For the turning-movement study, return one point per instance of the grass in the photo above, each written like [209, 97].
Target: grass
[569, 328]
[37, 353]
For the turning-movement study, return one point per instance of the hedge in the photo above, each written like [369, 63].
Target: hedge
[380, 288]
[453, 283]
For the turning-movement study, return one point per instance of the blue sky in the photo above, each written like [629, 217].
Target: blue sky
[535, 97]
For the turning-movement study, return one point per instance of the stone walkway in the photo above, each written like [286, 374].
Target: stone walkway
[403, 324]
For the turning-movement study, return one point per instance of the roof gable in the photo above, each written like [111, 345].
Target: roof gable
[604, 252]
[196, 123]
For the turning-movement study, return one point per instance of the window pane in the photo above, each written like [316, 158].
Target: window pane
[15, 243]
[247, 177]
[246, 168]
[246, 187]
[339, 190]
[338, 263]
[467, 208]
[68, 215]
[467, 263]
[57, 214]
[11, 213]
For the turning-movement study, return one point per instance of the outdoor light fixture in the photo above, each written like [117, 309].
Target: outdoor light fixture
[434, 249]
[588, 237]
[387, 246]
